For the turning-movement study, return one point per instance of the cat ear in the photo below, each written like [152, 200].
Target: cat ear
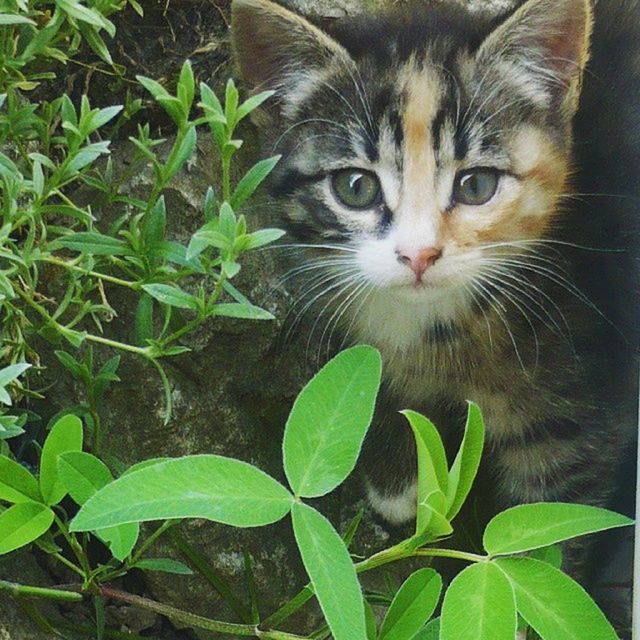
[278, 49]
[546, 42]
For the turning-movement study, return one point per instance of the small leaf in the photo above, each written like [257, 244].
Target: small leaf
[23, 523]
[12, 372]
[187, 83]
[252, 103]
[180, 154]
[82, 474]
[332, 573]
[412, 606]
[154, 223]
[432, 467]
[202, 486]
[262, 238]
[465, 466]
[252, 180]
[87, 155]
[120, 539]
[551, 555]
[9, 18]
[530, 526]
[166, 565]
[329, 420]
[556, 606]
[237, 310]
[173, 296]
[65, 435]
[95, 243]
[16, 483]
[143, 324]
[479, 605]
[153, 87]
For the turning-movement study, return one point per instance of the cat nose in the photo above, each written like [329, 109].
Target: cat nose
[419, 261]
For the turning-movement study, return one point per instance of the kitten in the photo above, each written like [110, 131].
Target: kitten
[429, 156]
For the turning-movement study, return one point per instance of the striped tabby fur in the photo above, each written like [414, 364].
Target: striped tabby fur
[524, 303]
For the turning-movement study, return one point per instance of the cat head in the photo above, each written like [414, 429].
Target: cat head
[423, 145]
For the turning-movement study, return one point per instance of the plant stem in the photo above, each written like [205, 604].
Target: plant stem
[74, 567]
[122, 346]
[200, 564]
[165, 526]
[39, 592]
[94, 274]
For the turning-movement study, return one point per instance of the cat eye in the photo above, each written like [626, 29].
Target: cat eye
[476, 186]
[356, 189]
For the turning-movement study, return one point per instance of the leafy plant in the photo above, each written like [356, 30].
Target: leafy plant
[322, 440]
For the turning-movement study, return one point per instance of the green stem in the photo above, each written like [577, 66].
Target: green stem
[289, 608]
[39, 592]
[200, 564]
[190, 619]
[165, 526]
[122, 346]
[75, 546]
[74, 567]
[449, 553]
[94, 274]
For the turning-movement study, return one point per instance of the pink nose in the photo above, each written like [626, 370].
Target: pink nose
[419, 261]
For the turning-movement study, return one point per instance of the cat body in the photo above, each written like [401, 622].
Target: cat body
[456, 213]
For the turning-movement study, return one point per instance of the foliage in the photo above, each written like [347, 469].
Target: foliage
[503, 582]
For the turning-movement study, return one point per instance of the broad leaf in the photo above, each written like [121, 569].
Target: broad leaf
[65, 435]
[202, 486]
[465, 466]
[82, 474]
[23, 523]
[329, 420]
[530, 526]
[556, 606]
[120, 539]
[479, 605]
[332, 573]
[16, 483]
[430, 632]
[412, 606]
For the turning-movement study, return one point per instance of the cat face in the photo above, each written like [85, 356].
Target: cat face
[425, 150]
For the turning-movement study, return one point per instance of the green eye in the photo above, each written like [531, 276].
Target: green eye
[476, 187]
[356, 189]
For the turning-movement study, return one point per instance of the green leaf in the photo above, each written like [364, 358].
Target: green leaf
[9, 18]
[87, 155]
[95, 243]
[252, 103]
[430, 632]
[120, 539]
[12, 372]
[82, 474]
[479, 605]
[143, 324]
[65, 435]
[238, 310]
[551, 555]
[252, 180]
[16, 483]
[412, 606]
[203, 486]
[166, 565]
[186, 86]
[332, 573]
[329, 420]
[432, 468]
[173, 296]
[465, 466]
[180, 154]
[556, 606]
[530, 526]
[262, 238]
[154, 224]
[370, 621]
[23, 523]
[153, 87]
[79, 12]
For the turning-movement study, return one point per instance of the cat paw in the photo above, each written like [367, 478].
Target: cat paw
[396, 509]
